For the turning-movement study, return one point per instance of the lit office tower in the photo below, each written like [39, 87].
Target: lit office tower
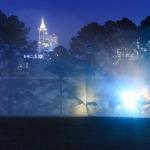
[46, 42]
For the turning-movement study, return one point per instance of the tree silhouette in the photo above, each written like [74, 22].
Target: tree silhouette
[121, 38]
[13, 45]
[144, 37]
[60, 65]
[88, 48]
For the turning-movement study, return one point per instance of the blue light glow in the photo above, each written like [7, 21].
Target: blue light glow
[130, 100]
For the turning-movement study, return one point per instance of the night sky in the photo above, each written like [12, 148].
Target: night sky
[66, 17]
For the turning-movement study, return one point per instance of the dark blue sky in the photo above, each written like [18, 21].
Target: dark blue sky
[66, 17]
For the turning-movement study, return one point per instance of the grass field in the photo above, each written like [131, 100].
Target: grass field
[68, 133]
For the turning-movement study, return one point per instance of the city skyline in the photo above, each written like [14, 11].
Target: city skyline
[65, 18]
[47, 41]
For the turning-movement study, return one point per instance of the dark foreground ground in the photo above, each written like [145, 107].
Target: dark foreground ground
[74, 134]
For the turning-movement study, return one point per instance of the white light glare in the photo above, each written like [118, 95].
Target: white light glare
[130, 105]
[130, 96]
[130, 99]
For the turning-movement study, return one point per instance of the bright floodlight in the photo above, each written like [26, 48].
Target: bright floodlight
[130, 99]
[132, 106]
[130, 96]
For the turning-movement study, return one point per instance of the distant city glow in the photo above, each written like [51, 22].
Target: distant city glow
[35, 56]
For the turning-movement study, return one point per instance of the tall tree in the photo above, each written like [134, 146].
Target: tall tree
[144, 37]
[13, 36]
[13, 45]
[121, 38]
[88, 48]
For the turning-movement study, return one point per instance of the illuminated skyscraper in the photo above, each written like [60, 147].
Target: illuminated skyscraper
[46, 42]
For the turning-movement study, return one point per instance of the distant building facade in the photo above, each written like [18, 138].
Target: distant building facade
[46, 42]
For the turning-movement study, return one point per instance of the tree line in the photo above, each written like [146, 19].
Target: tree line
[98, 52]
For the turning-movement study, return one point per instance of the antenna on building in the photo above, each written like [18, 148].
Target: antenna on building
[42, 26]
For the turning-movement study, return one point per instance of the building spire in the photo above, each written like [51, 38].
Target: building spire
[46, 42]
[42, 26]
